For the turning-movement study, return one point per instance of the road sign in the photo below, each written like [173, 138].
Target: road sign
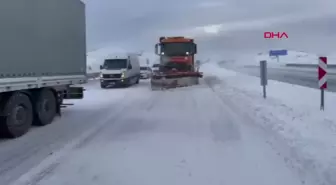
[322, 72]
[276, 53]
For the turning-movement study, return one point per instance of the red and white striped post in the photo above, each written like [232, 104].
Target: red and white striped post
[322, 77]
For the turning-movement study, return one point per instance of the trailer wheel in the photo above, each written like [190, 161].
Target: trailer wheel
[45, 107]
[17, 116]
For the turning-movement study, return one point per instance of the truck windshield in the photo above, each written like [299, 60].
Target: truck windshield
[115, 64]
[176, 49]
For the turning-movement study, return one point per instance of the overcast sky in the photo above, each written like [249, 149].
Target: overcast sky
[221, 28]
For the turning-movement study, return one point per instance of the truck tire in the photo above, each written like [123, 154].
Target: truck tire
[16, 115]
[137, 81]
[45, 107]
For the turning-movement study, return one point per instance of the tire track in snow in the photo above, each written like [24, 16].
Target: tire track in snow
[89, 118]
[47, 166]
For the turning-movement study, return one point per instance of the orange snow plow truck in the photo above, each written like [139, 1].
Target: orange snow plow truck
[177, 63]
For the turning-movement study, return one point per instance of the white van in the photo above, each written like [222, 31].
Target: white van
[155, 67]
[120, 69]
[145, 72]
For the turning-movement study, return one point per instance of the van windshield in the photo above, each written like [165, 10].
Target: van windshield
[115, 64]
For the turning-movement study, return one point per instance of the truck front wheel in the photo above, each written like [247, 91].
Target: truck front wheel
[16, 115]
[45, 107]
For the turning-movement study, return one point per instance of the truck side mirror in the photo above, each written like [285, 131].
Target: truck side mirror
[194, 49]
[157, 49]
[101, 67]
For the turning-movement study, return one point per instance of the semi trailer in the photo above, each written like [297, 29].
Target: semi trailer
[42, 61]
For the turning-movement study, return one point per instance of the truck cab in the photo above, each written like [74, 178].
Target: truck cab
[120, 70]
[176, 53]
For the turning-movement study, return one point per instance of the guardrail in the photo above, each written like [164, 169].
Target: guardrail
[331, 66]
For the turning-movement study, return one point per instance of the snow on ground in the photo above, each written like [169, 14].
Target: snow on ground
[17, 156]
[93, 65]
[185, 136]
[294, 57]
[249, 61]
[292, 113]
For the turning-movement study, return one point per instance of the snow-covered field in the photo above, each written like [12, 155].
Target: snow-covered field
[294, 57]
[303, 62]
[219, 132]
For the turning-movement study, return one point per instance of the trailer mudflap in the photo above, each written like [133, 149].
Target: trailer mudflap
[74, 93]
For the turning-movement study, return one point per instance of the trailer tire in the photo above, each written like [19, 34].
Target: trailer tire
[16, 115]
[45, 107]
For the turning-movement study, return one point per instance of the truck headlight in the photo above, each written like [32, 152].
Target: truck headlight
[123, 75]
[101, 75]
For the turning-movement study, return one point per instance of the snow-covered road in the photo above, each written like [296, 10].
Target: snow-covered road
[136, 136]
[20, 155]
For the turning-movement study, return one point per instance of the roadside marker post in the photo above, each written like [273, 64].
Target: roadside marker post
[263, 76]
[322, 77]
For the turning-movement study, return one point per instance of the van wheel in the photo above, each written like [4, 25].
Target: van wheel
[17, 115]
[45, 107]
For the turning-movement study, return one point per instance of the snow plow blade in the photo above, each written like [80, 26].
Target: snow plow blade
[169, 81]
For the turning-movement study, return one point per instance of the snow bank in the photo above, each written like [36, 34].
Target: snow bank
[292, 114]
[92, 65]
